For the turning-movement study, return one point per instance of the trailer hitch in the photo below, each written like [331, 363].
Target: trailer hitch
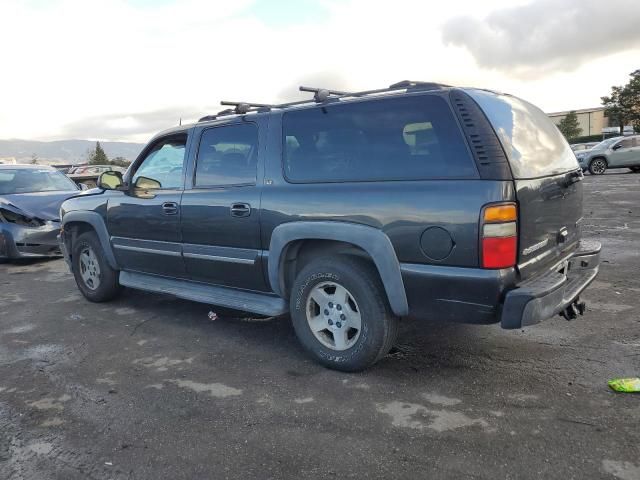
[574, 309]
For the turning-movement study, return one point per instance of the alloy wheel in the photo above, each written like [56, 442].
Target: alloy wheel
[598, 166]
[89, 268]
[333, 316]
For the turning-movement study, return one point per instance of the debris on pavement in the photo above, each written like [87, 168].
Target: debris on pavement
[213, 316]
[625, 385]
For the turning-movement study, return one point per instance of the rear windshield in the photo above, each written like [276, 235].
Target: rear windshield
[408, 138]
[534, 145]
[30, 180]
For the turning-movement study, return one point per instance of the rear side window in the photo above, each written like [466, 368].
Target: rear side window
[626, 143]
[227, 155]
[409, 138]
[534, 145]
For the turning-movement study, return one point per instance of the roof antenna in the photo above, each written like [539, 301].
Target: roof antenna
[180, 122]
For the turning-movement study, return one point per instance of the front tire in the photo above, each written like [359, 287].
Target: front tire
[341, 314]
[96, 280]
[597, 166]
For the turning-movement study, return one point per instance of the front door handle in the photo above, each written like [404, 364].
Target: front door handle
[170, 208]
[240, 210]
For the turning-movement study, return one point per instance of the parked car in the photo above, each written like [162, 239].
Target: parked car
[88, 174]
[579, 147]
[349, 212]
[30, 199]
[75, 168]
[617, 152]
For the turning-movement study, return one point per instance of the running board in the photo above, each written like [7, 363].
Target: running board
[260, 303]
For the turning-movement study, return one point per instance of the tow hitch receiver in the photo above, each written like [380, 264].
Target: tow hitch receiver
[573, 309]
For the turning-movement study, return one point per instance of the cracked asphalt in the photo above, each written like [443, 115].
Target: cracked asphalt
[148, 387]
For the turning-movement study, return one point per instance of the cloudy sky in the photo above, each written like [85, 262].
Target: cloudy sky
[124, 69]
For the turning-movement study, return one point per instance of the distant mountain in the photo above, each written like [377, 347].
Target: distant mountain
[63, 151]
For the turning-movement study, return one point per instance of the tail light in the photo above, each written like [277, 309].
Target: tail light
[499, 235]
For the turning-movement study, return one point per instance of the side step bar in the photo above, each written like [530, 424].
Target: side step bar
[260, 303]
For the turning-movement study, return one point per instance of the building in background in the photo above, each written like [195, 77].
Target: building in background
[591, 120]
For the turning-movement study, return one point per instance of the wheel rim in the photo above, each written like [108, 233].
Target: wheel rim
[89, 268]
[333, 316]
[598, 166]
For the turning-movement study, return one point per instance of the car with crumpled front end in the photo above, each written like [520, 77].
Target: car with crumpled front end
[30, 199]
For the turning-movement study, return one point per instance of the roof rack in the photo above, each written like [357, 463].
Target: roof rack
[245, 107]
[418, 84]
[320, 95]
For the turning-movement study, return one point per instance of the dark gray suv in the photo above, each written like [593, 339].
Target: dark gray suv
[348, 211]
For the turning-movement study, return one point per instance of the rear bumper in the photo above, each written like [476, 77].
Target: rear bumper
[17, 241]
[543, 297]
[456, 294]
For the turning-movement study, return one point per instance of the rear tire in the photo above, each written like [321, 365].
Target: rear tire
[340, 313]
[635, 169]
[597, 166]
[96, 280]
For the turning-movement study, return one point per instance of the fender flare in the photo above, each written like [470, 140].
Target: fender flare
[372, 240]
[97, 222]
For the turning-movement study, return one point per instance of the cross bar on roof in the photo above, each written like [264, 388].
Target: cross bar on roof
[321, 95]
[244, 107]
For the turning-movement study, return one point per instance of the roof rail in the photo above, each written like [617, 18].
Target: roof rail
[245, 107]
[320, 95]
[418, 84]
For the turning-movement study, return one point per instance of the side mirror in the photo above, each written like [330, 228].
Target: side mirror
[111, 180]
[84, 186]
[617, 147]
[145, 183]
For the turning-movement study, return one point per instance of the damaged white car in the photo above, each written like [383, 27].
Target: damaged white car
[30, 199]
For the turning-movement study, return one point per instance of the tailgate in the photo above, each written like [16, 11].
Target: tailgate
[546, 176]
[550, 212]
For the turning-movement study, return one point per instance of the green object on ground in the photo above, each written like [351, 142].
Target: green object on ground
[626, 385]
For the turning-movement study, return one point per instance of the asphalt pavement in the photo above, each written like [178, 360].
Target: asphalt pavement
[149, 387]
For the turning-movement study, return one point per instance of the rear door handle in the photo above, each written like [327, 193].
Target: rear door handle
[170, 208]
[240, 210]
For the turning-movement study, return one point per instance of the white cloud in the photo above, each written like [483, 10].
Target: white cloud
[107, 69]
[547, 35]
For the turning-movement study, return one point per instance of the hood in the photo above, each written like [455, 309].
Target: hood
[584, 152]
[42, 205]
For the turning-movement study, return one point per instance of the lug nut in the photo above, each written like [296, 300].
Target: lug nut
[339, 307]
[330, 322]
[338, 324]
[343, 316]
[326, 312]
[330, 304]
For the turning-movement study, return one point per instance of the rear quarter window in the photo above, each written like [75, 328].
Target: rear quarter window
[533, 144]
[408, 138]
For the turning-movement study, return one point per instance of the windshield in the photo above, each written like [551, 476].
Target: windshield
[534, 145]
[28, 180]
[605, 143]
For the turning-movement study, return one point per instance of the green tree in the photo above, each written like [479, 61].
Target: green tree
[97, 156]
[34, 159]
[622, 106]
[569, 126]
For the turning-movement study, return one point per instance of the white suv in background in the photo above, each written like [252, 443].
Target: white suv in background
[617, 152]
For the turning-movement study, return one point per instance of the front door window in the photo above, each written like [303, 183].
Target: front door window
[163, 166]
